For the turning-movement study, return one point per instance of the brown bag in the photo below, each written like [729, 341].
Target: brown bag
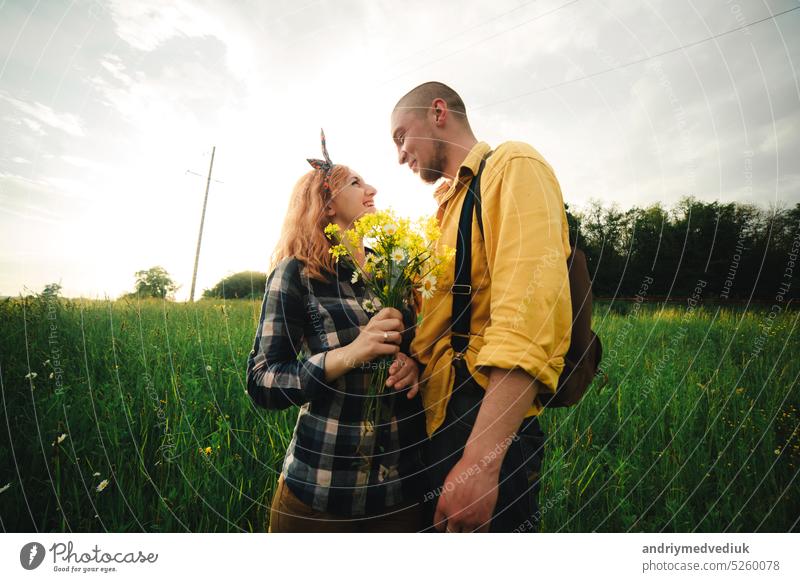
[582, 360]
[585, 351]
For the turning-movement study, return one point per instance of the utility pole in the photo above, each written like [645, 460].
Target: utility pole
[202, 220]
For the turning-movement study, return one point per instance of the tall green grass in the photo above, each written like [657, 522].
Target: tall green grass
[697, 428]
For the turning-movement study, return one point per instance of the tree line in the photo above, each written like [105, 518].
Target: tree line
[739, 251]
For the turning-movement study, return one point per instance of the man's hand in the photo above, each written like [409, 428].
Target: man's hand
[468, 498]
[404, 372]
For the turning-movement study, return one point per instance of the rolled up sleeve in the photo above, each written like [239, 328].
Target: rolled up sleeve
[527, 246]
[278, 373]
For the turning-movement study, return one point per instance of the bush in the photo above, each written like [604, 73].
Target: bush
[244, 285]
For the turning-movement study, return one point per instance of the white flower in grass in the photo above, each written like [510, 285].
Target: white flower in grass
[354, 278]
[31, 376]
[59, 440]
[428, 286]
[52, 375]
[46, 363]
[95, 474]
[103, 484]
[5, 487]
[398, 256]
[209, 369]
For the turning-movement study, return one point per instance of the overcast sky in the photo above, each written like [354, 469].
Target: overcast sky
[109, 110]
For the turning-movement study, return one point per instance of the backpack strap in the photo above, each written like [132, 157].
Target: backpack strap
[462, 285]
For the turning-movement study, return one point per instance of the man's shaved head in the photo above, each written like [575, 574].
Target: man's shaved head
[419, 100]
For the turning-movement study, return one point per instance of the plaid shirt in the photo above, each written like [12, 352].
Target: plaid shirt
[301, 319]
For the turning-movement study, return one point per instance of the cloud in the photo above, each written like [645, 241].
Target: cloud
[42, 114]
[148, 24]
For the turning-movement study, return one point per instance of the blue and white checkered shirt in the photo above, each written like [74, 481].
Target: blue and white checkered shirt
[301, 320]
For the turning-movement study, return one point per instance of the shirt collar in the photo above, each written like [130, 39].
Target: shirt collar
[467, 169]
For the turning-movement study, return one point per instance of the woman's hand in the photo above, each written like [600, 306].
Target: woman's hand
[380, 337]
[404, 372]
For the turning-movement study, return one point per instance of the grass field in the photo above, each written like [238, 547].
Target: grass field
[697, 429]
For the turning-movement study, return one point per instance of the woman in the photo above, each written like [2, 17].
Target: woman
[313, 348]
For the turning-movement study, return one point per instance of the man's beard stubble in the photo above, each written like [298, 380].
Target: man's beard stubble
[435, 169]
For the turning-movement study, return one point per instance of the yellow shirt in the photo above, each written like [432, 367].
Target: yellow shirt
[521, 310]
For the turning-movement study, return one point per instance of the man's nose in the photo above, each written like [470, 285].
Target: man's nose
[401, 155]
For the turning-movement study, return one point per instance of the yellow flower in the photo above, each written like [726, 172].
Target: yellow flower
[103, 484]
[60, 440]
[332, 230]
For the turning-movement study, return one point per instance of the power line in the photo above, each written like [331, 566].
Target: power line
[481, 24]
[500, 33]
[635, 62]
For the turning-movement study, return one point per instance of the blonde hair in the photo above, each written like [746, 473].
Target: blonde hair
[302, 235]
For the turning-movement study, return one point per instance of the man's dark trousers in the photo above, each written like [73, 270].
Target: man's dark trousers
[517, 501]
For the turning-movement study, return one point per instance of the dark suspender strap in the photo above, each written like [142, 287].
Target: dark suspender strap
[462, 286]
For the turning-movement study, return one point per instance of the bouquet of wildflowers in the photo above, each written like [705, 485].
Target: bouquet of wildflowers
[406, 257]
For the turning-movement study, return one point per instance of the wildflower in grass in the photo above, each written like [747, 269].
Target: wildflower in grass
[5, 487]
[209, 369]
[740, 390]
[95, 474]
[59, 440]
[205, 451]
[46, 363]
[52, 375]
[31, 376]
[103, 484]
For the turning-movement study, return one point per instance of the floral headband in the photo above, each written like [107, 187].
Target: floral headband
[324, 165]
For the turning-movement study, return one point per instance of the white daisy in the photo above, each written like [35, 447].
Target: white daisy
[368, 306]
[390, 229]
[209, 369]
[103, 484]
[354, 278]
[398, 256]
[428, 286]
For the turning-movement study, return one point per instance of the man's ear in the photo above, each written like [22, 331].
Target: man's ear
[439, 111]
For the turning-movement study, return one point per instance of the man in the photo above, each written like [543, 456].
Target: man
[481, 408]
